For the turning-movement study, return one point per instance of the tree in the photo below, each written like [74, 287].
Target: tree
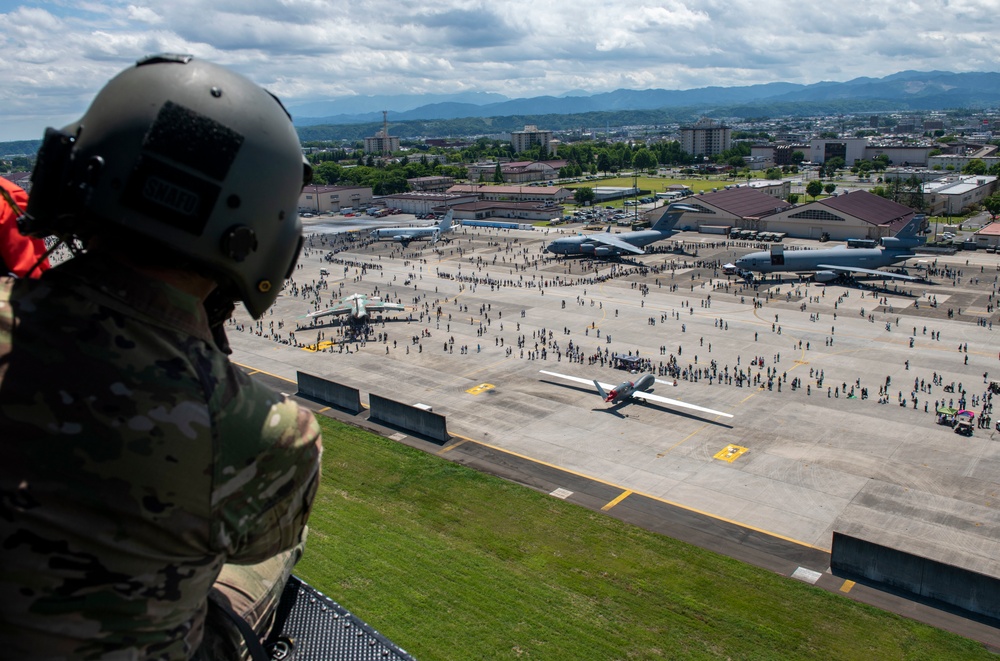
[603, 162]
[798, 157]
[992, 205]
[915, 188]
[832, 165]
[793, 198]
[975, 166]
[643, 159]
[327, 172]
[829, 188]
[814, 188]
[583, 195]
[498, 174]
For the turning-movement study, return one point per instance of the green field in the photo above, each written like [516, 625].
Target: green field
[450, 563]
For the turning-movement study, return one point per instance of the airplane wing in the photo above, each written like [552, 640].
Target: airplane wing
[337, 310]
[586, 382]
[861, 271]
[615, 242]
[374, 305]
[676, 403]
[641, 395]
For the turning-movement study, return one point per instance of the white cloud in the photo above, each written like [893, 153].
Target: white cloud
[58, 53]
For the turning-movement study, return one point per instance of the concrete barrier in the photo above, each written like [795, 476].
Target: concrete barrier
[923, 577]
[409, 418]
[329, 392]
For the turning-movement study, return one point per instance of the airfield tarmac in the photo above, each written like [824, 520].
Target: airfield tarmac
[790, 464]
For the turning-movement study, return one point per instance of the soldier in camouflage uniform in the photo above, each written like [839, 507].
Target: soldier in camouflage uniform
[138, 461]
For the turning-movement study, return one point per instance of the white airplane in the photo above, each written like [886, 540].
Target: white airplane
[638, 389]
[359, 307]
[404, 235]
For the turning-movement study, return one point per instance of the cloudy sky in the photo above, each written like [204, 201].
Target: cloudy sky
[56, 54]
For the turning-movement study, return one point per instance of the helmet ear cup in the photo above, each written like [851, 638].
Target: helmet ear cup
[186, 156]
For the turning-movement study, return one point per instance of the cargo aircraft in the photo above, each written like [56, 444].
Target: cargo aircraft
[629, 391]
[404, 235]
[358, 307]
[606, 244]
[829, 264]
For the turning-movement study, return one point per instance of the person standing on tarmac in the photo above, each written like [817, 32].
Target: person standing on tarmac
[151, 494]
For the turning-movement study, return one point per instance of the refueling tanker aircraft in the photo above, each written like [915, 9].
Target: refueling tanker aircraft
[404, 235]
[359, 307]
[828, 264]
[628, 391]
[606, 244]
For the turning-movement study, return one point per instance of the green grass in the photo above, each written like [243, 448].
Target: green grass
[451, 563]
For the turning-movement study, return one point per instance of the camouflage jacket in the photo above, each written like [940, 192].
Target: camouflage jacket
[136, 460]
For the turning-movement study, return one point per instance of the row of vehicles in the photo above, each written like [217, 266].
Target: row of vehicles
[754, 235]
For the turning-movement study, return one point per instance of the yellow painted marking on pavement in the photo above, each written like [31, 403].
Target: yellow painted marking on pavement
[730, 453]
[480, 389]
[453, 446]
[598, 480]
[324, 409]
[254, 370]
[624, 494]
[747, 397]
[322, 346]
[846, 587]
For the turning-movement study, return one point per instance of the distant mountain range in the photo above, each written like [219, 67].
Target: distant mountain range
[907, 90]
[481, 113]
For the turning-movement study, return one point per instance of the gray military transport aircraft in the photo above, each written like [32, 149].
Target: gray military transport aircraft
[606, 244]
[829, 264]
[404, 235]
[358, 307]
[628, 391]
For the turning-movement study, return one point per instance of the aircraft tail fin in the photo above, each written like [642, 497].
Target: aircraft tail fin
[445, 223]
[910, 230]
[908, 237]
[671, 216]
[600, 390]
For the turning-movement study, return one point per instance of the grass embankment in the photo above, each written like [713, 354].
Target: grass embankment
[450, 563]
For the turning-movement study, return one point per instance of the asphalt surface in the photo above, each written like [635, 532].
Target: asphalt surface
[767, 486]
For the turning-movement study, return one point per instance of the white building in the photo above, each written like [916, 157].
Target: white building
[319, 199]
[522, 140]
[951, 196]
[851, 150]
[381, 143]
[706, 138]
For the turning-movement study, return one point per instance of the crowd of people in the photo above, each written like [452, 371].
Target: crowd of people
[477, 267]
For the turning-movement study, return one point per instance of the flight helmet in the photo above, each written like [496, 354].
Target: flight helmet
[183, 157]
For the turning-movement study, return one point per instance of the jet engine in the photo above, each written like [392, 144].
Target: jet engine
[892, 243]
[604, 251]
[825, 276]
